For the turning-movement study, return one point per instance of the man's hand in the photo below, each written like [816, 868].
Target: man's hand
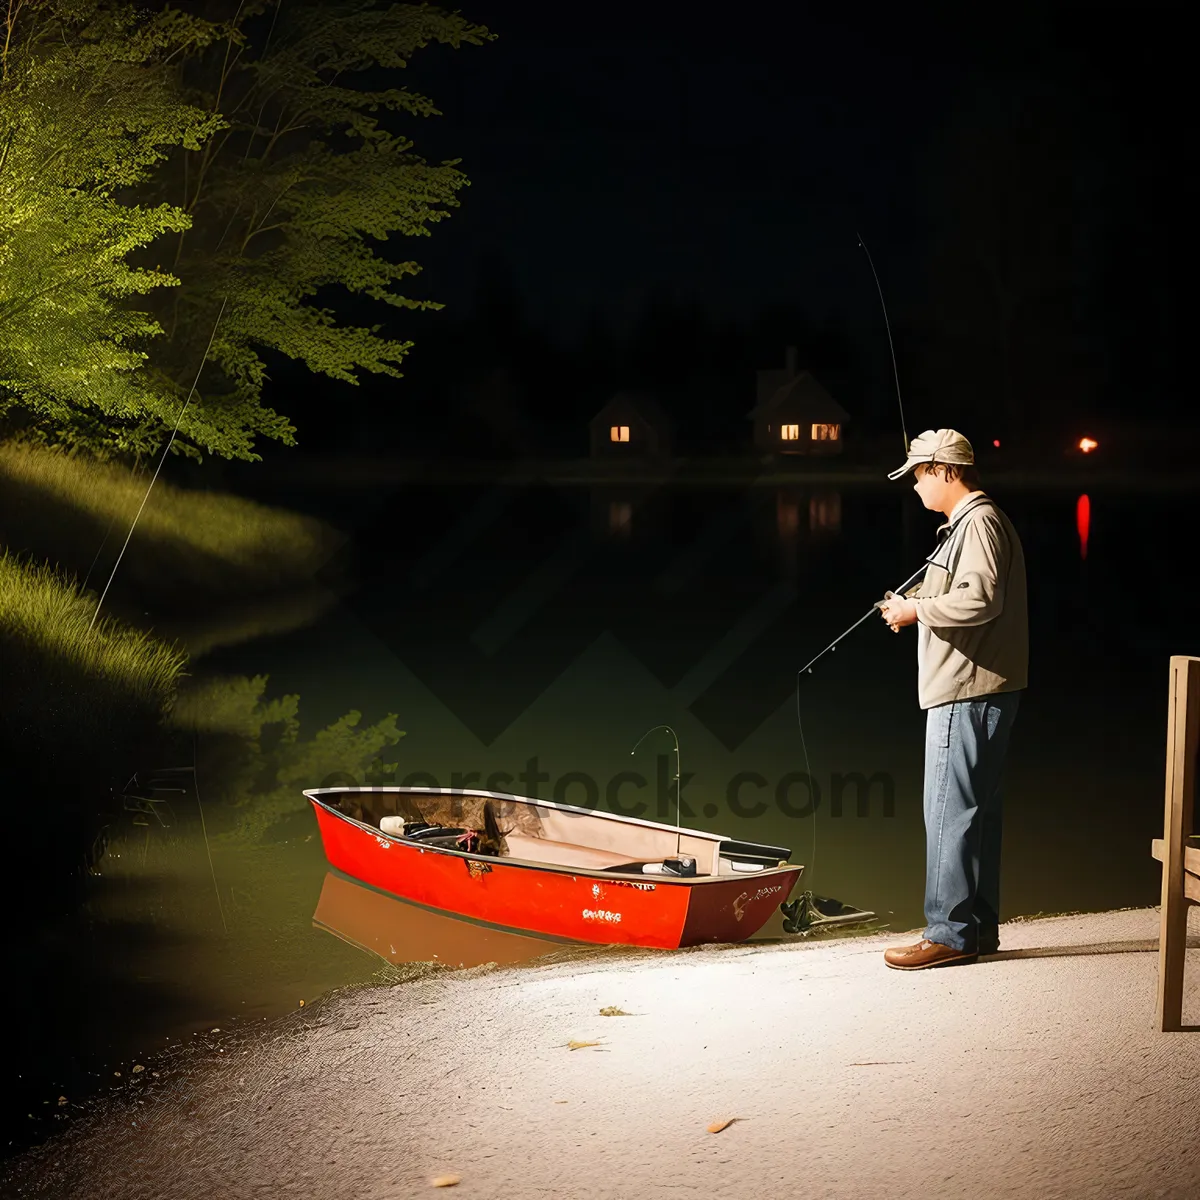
[898, 612]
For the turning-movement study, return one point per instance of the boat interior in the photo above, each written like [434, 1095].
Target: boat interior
[528, 830]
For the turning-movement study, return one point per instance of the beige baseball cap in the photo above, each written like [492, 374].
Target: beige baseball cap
[936, 445]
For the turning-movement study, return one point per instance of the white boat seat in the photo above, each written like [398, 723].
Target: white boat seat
[563, 854]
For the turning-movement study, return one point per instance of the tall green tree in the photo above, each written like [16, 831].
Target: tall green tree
[292, 202]
[89, 107]
[280, 207]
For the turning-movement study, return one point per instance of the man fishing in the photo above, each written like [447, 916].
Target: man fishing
[972, 664]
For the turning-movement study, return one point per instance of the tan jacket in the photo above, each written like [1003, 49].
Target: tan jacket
[973, 623]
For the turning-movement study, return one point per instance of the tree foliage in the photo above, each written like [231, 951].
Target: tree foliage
[262, 175]
[88, 109]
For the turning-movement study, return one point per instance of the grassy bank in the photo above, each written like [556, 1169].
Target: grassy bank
[80, 708]
[46, 625]
[189, 544]
[85, 700]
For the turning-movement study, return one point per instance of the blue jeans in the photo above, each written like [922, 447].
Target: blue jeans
[965, 746]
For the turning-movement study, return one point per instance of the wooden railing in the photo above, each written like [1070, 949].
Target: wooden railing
[1181, 862]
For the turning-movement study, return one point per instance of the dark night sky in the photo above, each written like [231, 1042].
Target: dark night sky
[618, 152]
[611, 152]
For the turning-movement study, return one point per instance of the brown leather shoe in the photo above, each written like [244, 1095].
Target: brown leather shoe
[925, 954]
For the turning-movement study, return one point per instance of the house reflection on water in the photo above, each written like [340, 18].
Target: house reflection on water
[825, 513]
[803, 518]
[621, 513]
[821, 512]
[620, 518]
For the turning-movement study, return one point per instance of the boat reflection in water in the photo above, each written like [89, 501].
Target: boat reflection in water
[400, 932]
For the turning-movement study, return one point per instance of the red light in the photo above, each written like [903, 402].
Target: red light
[1083, 522]
[996, 443]
[1087, 445]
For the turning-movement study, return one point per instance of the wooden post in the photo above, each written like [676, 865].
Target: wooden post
[1183, 736]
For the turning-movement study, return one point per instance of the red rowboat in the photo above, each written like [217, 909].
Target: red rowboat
[554, 869]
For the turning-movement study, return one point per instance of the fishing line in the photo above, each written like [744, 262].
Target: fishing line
[163, 459]
[204, 831]
[891, 347]
[812, 857]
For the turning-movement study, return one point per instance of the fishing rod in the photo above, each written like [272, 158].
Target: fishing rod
[945, 536]
[904, 431]
[678, 783]
[891, 347]
[870, 612]
[797, 912]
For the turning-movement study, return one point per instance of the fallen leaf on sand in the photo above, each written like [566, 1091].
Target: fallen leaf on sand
[574, 1045]
[613, 1011]
[717, 1126]
[445, 1180]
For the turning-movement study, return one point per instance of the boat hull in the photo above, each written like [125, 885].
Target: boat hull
[580, 905]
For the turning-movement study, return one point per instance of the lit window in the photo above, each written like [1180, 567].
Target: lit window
[826, 433]
[619, 433]
[789, 433]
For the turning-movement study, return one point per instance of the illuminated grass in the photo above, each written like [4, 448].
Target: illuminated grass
[61, 507]
[44, 625]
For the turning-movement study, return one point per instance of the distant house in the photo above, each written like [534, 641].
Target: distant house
[795, 414]
[633, 427]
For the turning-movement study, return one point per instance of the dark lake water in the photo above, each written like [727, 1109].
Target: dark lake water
[527, 637]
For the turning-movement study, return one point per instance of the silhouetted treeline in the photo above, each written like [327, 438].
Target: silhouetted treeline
[493, 384]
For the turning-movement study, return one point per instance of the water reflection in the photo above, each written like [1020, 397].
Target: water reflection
[1083, 522]
[620, 517]
[399, 932]
[264, 616]
[621, 513]
[825, 512]
[803, 517]
[822, 513]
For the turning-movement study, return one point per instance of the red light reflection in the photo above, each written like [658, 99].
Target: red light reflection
[1083, 521]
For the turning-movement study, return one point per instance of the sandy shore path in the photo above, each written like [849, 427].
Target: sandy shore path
[1035, 1072]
